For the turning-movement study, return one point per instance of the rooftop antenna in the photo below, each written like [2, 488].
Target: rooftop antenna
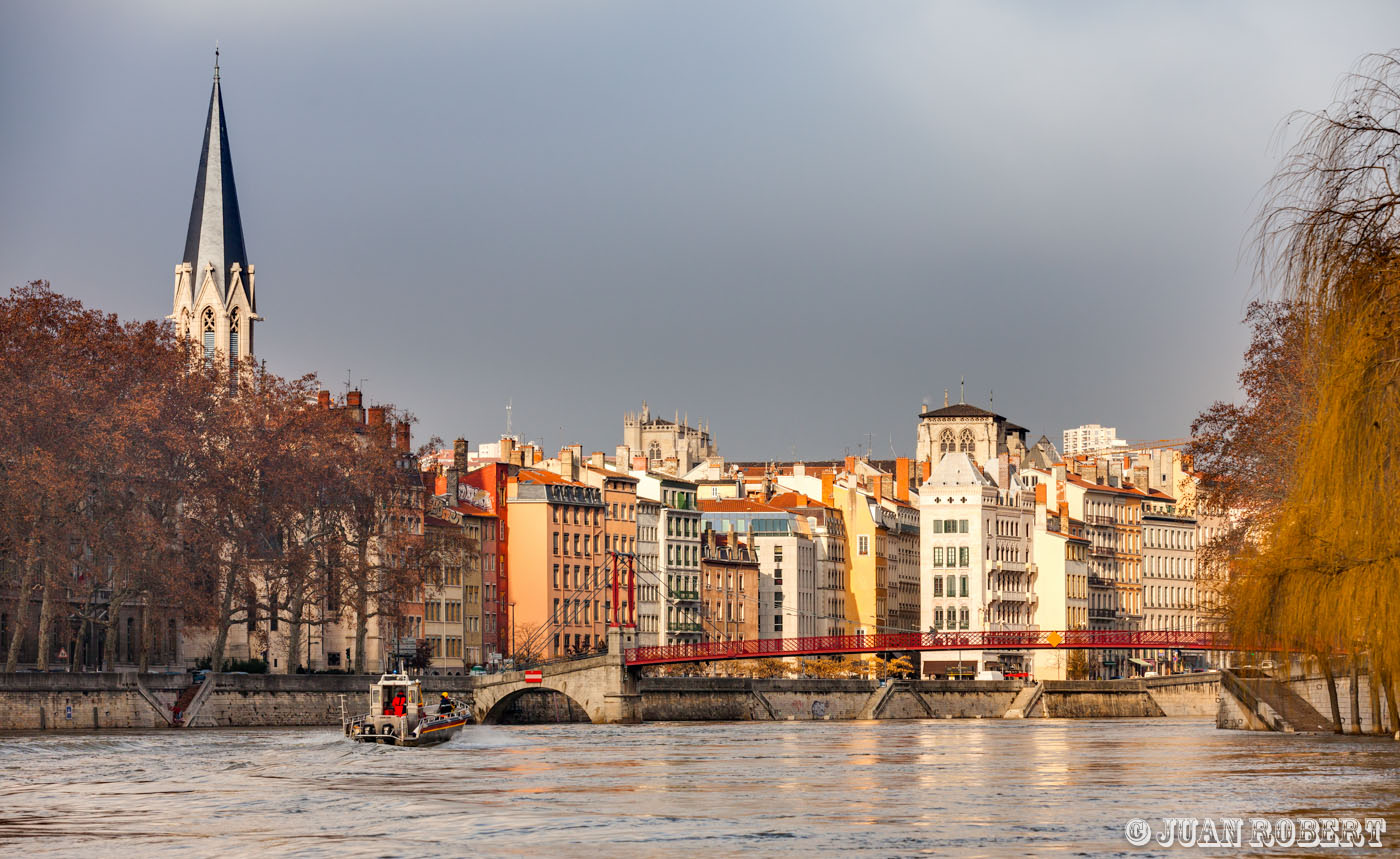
[962, 383]
[508, 408]
[991, 398]
[347, 380]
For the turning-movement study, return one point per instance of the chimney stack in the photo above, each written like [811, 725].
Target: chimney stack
[901, 478]
[323, 400]
[402, 437]
[376, 416]
[597, 459]
[352, 402]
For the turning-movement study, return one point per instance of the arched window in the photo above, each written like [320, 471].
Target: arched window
[233, 327]
[654, 452]
[965, 441]
[946, 443]
[207, 326]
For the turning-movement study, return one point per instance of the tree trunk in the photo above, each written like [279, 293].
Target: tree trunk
[46, 610]
[1373, 682]
[21, 617]
[361, 630]
[216, 651]
[1326, 663]
[109, 645]
[295, 606]
[1355, 695]
[143, 635]
[1390, 702]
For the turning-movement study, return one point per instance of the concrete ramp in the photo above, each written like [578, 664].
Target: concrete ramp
[1025, 702]
[1258, 702]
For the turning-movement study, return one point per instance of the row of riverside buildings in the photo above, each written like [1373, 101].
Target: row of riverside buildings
[977, 531]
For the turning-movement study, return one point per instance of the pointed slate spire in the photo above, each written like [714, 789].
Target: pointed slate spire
[216, 231]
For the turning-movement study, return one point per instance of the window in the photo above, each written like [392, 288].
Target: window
[233, 342]
[962, 619]
[962, 588]
[207, 326]
[962, 526]
[938, 556]
[965, 444]
[952, 586]
[938, 618]
[946, 443]
[964, 556]
[938, 588]
[863, 544]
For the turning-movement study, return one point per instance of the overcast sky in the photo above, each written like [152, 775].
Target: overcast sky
[797, 220]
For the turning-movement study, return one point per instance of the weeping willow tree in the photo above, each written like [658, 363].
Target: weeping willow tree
[1324, 572]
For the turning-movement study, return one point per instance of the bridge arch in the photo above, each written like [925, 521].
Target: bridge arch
[573, 710]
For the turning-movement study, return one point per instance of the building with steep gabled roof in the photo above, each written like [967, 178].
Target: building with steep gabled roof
[215, 304]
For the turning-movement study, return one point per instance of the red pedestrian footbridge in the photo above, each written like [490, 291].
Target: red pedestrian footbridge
[824, 645]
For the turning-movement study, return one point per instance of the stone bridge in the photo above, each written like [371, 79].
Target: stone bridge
[601, 685]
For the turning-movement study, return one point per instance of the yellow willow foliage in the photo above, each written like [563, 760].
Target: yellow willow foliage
[1328, 571]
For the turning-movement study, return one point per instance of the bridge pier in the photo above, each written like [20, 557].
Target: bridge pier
[622, 703]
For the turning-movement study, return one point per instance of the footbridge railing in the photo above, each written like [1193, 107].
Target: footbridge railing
[1073, 639]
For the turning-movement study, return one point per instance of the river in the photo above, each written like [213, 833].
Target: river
[958, 787]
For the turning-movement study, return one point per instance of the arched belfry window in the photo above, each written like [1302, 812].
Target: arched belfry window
[233, 327]
[946, 443]
[965, 442]
[206, 325]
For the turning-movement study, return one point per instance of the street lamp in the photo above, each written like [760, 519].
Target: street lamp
[512, 630]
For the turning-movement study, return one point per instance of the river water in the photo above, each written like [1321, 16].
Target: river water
[958, 787]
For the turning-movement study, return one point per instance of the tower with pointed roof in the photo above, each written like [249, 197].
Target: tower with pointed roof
[215, 303]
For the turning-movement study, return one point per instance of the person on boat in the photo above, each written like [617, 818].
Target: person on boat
[399, 702]
[444, 705]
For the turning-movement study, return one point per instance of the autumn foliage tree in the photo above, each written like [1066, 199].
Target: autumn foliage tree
[135, 477]
[1309, 459]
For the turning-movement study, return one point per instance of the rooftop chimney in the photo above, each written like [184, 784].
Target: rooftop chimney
[402, 437]
[901, 478]
[323, 399]
[376, 416]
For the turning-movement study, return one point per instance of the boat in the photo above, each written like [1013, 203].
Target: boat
[397, 715]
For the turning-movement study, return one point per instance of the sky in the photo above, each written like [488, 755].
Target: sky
[798, 220]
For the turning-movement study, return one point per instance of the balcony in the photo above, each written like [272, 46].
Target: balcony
[687, 627]
[1099, 520]
[685, 596]
[1102, 614]
[1100, 582]
[1103, 552]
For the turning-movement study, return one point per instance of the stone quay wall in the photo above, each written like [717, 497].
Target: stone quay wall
[61, 701]
[40, 702]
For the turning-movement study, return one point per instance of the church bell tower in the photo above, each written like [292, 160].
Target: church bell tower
[215, 303]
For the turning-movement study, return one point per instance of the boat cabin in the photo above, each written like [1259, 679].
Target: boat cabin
[395, 695]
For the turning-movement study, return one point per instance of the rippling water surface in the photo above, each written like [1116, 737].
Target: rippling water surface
[992, 787]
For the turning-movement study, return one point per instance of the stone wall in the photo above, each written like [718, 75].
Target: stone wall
[38, 702]
[687, 699]
[43, 701]
[1186, 695]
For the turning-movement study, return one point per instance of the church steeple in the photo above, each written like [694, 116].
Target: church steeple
[214, 296]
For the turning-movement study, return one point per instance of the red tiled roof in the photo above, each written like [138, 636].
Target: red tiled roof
[537, 475]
